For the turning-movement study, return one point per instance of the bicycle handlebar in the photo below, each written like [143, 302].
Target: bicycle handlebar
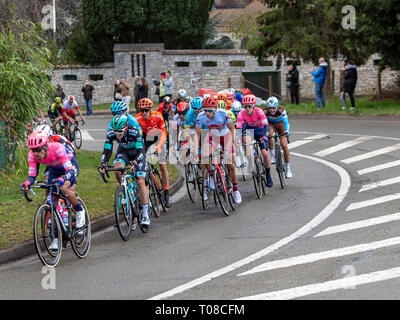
[111, 168]
[42, 185]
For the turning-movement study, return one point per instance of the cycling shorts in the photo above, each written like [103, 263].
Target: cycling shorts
[127, 155]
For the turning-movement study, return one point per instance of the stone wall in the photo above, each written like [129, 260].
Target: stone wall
[190, 73]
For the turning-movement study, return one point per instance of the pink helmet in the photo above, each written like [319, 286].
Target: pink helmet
[37, 139]
[249, 99]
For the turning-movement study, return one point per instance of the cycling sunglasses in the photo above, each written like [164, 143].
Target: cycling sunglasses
[146, 110]
[249, 106]
[37, 150]
[209, 110]
[119, 131]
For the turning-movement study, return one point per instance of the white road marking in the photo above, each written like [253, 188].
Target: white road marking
[378, 184]
[298, 143]
[318, 219]
[347, 282]
[313, 257]
[379, 167]
[86, 135]
[359, 224]
[372, 154]
[371, 202]
[341, 146]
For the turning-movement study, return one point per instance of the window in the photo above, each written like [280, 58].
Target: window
[209, 63]
[182, 63]
[237, 63]
[70, 77]
[95, 77]
[289, 62]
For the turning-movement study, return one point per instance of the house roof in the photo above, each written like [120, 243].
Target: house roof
[224, 16]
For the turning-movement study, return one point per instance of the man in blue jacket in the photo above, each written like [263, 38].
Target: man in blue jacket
[319, 79]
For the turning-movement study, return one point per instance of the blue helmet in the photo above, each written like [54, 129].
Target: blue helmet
[118, 106]
[239, 97]
[196, 103]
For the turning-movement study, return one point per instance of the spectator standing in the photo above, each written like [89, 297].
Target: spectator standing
[292, 82]
[341, 89]
[117, 91]
[143, 89]
[160, 90]
[319, 79]
[350, 81]
[59, 92]
[125, 90]
[169, 84]
[136, 92]
[87, 90]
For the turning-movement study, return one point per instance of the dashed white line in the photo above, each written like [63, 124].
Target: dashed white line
[344, 283]
[341, 146]
[378, 184]
[313, 257]
[379, 167]
[359, 224]
[372, 154]
[372, 202]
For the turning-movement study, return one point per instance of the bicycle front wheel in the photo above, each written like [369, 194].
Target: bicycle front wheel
[222, 195]
[191, 182]
[78, 138]
[155, 202]
[257, 177]
[123, 213]
[80, 240]
[280, 167]
[47, 231]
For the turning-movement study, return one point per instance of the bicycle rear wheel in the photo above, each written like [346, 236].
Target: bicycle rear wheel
[80, 240]
[78, 138]
[191, 182]
[221, 193]
[46, 229]
[160, 188]
[155, 202]
[123, 213]
[280, 167]
[205, 190]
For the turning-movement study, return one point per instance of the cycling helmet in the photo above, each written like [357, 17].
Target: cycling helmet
[236, 106]
[189, 98]
[228, 105]
[196, 103]
[57, 99]
[145, 103]
[182, 108]
[118, 106]
[182, 93]
[239, 97]
[210, 102]
[167, 99]
[272, 102]
[222, 97]
[45, 128]
[119, 122]
[230, 96]
[71, 98]
[221, 104]
[37, 139]
[238, 91]
[249, 99]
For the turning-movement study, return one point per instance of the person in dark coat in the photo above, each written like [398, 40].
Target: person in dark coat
[87, 90]
[292, 82]
[350, 81]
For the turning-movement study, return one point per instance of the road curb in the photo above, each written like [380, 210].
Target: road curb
[25, 249]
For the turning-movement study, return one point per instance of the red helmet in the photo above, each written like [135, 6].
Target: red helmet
[71, 98]
[210, 102]
[182, 107]
[37, 139]
[145, 103]
[249, 99]
[230, 96]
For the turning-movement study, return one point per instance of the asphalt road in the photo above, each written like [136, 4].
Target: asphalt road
[332, 233]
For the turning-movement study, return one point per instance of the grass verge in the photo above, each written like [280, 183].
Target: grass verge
[16, 214]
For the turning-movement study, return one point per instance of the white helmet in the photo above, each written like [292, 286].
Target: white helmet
[182, 93]
[231, 90]
[272, 102]
[46, 129]
[236, 106]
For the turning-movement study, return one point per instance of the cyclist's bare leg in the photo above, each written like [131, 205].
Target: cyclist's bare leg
[143, 192]
[164, 174]
[285, 148]
[266, 158]
[69, 191]
[118, 175]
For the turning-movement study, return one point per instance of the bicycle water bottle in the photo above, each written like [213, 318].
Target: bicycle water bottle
[61, 208]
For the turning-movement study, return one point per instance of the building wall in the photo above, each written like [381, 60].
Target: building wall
[196, 76]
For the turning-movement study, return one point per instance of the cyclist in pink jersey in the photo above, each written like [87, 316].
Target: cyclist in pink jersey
[254, 118]
[63, 169]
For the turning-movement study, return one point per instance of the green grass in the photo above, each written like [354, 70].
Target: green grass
[363, 106]
[16, 214]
